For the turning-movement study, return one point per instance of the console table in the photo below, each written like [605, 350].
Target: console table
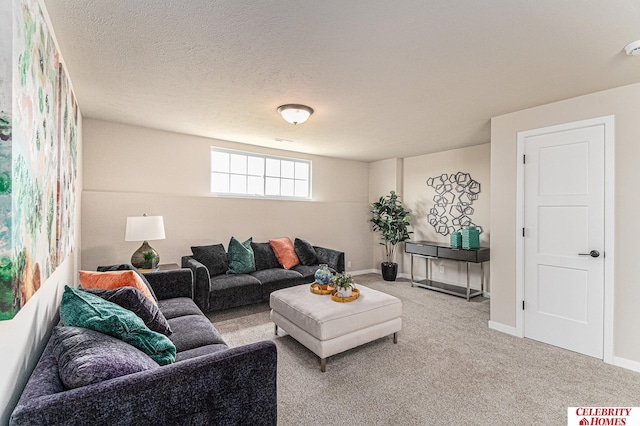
[432, 250]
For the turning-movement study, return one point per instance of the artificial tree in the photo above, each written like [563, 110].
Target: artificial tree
[391, 219]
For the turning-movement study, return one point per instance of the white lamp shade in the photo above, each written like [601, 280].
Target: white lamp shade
[294, 113]
[144, 228]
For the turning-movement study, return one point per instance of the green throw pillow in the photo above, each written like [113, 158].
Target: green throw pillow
[81, 309]
[240, 257]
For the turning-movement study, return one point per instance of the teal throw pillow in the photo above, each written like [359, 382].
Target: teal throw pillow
[81, 309]
[240, 257]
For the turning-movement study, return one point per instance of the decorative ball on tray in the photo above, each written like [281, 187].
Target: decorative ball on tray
[323, 274]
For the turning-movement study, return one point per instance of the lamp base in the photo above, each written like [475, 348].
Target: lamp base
[145, 257]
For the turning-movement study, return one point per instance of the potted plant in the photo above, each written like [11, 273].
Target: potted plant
[344, 284]
[391, 219]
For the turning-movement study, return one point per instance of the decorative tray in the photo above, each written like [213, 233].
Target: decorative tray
[354, 295]
[321, 289]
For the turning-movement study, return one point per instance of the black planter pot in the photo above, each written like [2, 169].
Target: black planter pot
[389, 271]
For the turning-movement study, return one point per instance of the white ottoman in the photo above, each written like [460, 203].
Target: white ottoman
[327, 327]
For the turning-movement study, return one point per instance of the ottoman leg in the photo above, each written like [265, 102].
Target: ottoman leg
[395, 337]
[323, 365]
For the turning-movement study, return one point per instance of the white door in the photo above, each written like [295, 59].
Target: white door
[564, 239]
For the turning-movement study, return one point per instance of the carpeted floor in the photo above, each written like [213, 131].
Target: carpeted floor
[448, 368]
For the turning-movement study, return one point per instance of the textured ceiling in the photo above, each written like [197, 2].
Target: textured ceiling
[386, 78]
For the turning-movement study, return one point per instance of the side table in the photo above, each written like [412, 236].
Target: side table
[162, 267]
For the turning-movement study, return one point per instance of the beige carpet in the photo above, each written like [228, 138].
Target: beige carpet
[448, 368]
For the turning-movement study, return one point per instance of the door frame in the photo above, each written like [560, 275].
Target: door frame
[609, 235]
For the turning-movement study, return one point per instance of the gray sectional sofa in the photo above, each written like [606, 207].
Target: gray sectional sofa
[216, 289]
[209, 383]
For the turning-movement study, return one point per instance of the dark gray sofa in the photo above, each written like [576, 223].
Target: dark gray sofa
[209, 384]
[215, 289]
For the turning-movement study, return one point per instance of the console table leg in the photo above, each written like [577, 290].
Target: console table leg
[468, 283]
[411, 270]
[482, 277]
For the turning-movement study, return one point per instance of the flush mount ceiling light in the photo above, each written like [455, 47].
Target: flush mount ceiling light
[633, 48]
[295, 113]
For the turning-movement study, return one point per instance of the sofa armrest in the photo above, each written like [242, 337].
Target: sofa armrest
[202, 282]
[172, 283]
[333, 258]
[234, 386]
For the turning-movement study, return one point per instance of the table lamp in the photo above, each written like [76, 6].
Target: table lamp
[145, 228]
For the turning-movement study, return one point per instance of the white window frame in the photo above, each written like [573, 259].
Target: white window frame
[263, 175]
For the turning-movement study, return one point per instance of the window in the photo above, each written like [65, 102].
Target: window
[256, 175]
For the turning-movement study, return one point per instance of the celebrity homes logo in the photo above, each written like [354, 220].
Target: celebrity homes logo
[603, 416]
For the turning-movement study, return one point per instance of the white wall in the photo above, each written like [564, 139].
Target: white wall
[624, 104]
[163, 173]
[384, 176]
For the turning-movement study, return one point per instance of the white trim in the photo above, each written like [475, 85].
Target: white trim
[503, 328]
[362, 272]
[626, 363]
[609, 224]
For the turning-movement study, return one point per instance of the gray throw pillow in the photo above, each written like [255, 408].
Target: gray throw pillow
[132, 299]
[305, 251]
[213, 257]
[264, 256]
[86, 356]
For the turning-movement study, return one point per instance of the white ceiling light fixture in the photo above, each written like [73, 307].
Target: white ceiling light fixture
[633, 48]
[295, 113]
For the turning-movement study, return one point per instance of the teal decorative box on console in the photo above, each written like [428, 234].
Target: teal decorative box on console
[470, 238]
[456, 239]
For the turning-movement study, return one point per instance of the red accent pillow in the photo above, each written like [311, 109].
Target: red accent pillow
[285, 253]
[114, 279]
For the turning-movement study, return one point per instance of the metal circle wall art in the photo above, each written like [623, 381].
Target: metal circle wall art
[453, 202]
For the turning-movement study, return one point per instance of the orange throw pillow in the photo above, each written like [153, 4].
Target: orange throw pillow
[285, 253]
[114, 279]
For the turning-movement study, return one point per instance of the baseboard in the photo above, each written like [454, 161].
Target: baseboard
[364, 271]
[503, 328]
[486, 294]
[626, 363]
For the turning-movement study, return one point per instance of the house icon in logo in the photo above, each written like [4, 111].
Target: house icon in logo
[584, 421]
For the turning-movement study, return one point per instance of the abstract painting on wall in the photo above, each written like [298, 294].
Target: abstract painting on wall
[6, 287]
[44, 155]
[453, 202]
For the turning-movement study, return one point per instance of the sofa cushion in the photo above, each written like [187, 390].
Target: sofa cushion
[240, 257]
[277, 278]
[132, 299]
[86, 356]
[234, 290]
[114, 279]
[213, 257]
[178, 307]
[264, 256]
[128, 267]
[81, 309]
[305, 251]
[285, 253]
[308, 271]
[193, 331]
[199, 351]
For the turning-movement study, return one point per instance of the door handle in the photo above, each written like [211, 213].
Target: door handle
[592, 253]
